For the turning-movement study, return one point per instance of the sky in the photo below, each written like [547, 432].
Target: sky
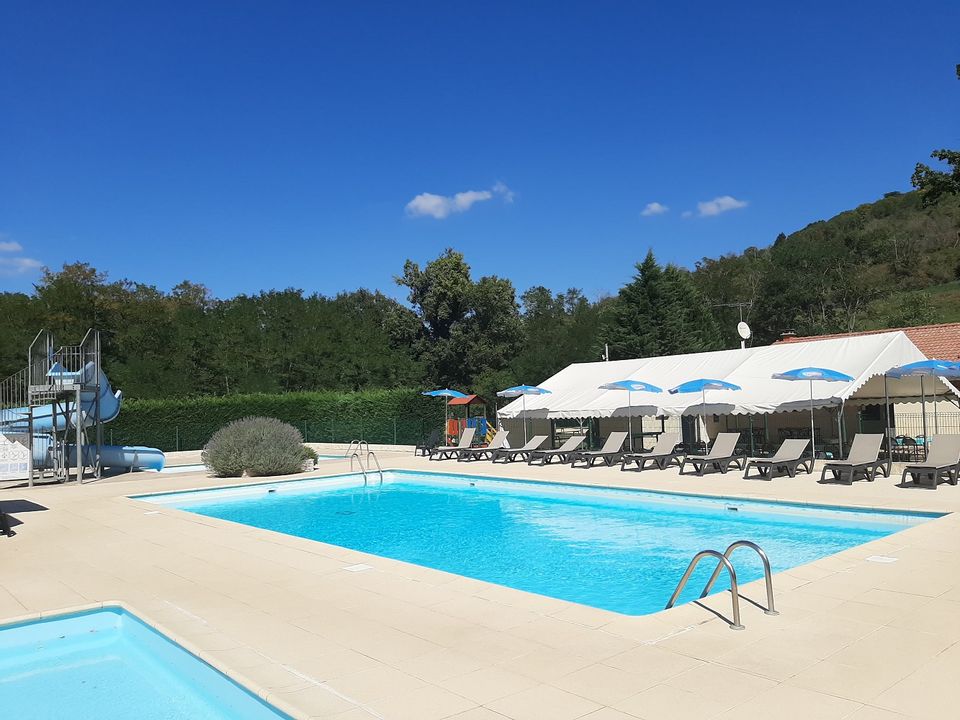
[257, 145]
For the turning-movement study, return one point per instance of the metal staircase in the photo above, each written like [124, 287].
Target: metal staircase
[54, 379]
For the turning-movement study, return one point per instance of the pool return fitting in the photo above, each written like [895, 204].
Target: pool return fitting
[723, 561]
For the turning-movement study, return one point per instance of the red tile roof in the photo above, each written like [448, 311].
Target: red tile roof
[939, 342]
[468, 400]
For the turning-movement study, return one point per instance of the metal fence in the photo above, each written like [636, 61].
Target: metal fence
[911, 424]
[193, 436]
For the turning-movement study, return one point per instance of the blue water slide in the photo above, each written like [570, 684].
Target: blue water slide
[130, 457]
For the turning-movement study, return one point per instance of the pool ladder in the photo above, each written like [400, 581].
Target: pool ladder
[723, 561]
[356, 446]
[365, 467]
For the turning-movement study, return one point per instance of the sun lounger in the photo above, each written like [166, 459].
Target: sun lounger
[663, 454]
[522, 453]
[561, 454]
[943, 462]
[723, 453]
[487, 451]
[788, 458]
[431, 443]
[448, 451]
[861, 460]
[610, 453]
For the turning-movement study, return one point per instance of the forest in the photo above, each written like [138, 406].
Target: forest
[889, 263]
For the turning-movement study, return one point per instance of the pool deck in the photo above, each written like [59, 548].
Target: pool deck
[296, 622]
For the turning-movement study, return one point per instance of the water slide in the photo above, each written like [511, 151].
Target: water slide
[128, 457]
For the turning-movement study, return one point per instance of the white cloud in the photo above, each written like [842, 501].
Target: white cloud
[719, 205]
[654, 208]
[686, 214]
[18, 266]
[441, 206]
[9, 245]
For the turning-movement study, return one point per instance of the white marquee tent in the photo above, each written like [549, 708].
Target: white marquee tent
[575, 393]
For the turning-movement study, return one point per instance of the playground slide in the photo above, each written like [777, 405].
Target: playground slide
[131, 457]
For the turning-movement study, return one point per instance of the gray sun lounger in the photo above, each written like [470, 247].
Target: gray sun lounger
[723, 453]
[562, 453]
[943, 462]
[522, 453]
[863, 459]
[610, 453]
[485, 452]
[430, 443]
[786, 461]
[663, 454]
[449, 451]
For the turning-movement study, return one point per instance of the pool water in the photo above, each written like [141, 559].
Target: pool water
[107, 664]
[621, 550]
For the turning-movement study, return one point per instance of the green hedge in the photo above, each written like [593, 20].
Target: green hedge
[378, 416]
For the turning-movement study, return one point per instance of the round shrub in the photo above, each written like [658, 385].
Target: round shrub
[255, 446]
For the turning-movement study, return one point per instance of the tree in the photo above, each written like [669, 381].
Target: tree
[660, 312]
[464, 327]
[934, 184]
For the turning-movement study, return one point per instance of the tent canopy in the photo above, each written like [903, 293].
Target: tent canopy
[575, 390]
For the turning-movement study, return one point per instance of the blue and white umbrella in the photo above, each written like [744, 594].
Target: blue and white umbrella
[445, 393]
[810, 374]
[521, 391]
[631, 386]
[701, 385]
[922, 369]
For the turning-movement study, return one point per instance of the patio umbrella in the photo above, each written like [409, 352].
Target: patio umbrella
[701, 386]
[445, 393]
[631, 386]
[922, 369]
[522, 391]
[811, 374]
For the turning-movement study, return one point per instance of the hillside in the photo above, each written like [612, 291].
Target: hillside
[887, 263]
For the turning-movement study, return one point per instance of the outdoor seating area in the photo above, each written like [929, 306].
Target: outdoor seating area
[883, 369]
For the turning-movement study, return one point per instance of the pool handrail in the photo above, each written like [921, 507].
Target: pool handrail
[734, 590]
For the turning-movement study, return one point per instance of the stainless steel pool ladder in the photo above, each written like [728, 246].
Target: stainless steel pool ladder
[723, 561]
[356, 446]
[364, 467]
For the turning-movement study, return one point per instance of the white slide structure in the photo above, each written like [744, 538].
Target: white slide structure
[129, 457]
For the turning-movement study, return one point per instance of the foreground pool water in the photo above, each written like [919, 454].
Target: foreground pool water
[107, 664]
[621, 550]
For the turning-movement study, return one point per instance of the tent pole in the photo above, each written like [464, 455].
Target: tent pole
[703, 416]
[630, 419]
[813, 432]
[886, 430]
[923, 412]
[524, 419]
[936, 421]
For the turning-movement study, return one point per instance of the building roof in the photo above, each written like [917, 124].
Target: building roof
[936, 342]
[468, 400]
[576, 392]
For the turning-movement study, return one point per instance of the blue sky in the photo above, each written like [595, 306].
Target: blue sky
[256, 145]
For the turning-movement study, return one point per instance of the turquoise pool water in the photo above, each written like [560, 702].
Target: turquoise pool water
[107, 664]
[622, 550]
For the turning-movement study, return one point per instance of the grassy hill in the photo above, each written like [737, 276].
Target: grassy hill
[886, 263]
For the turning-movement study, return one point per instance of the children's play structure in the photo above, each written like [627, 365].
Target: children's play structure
[52, 415]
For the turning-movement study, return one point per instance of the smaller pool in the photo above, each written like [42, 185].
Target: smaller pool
[108, 664]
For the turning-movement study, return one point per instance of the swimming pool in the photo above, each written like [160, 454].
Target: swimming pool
[621, 550]
[108, 664]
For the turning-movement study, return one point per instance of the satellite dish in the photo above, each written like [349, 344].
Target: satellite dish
[743, 330]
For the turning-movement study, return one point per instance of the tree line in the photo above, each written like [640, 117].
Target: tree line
[870, 267]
